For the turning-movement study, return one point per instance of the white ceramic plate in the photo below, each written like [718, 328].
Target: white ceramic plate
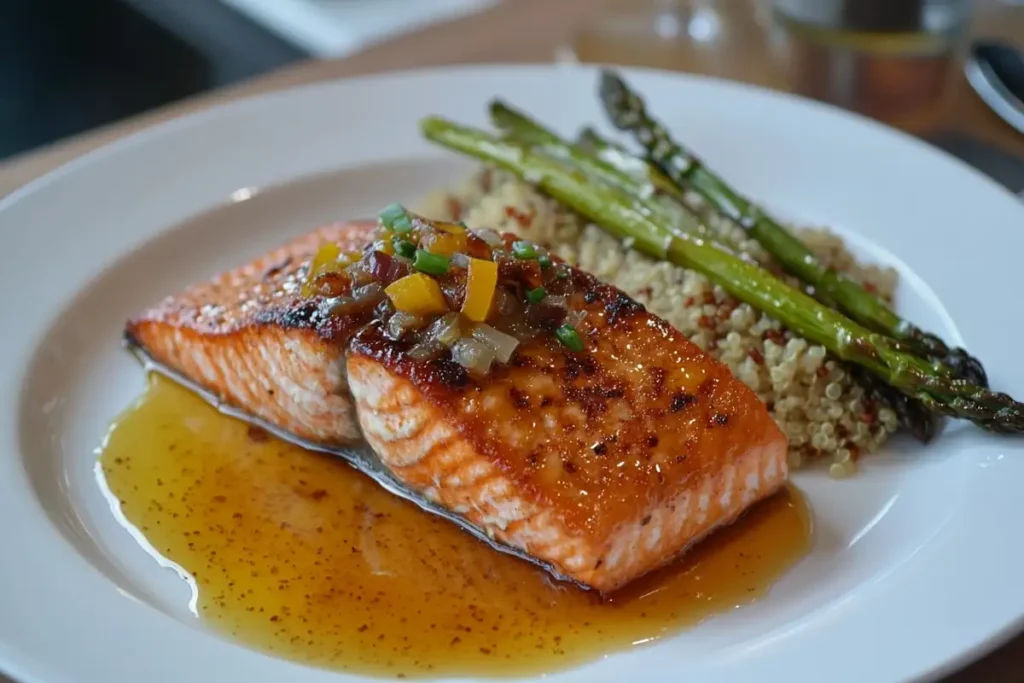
[916, 564]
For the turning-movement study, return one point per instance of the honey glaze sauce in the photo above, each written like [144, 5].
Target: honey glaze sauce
[299, 555]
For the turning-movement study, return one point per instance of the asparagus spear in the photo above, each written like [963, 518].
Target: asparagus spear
[634, 176]
[619, 157]
[913, 415]
[626, 218]
[627, 111]
[618, 167]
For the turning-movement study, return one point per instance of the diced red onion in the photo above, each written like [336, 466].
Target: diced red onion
[385, 268]
[337, 306]
[490, 236]
[400, 323]
[425, 350]
[504, 345]
[473, 354]
[368, 295]
[507, 305]
[445, 330]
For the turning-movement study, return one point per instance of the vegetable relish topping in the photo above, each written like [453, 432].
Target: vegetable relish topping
[446, 289]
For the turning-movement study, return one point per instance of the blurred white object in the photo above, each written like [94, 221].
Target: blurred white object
[335, 28]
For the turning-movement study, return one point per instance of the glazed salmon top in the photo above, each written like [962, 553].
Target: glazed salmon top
[266, 291]
[624, 425]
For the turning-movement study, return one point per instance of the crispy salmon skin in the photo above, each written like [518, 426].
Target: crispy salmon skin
[605, 462]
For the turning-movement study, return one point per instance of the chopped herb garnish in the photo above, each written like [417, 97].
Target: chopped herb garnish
[391, 213]
[535, 296]
[403, 248]
[463, 224]
[569, 337]
[523, 250]
[431, 264]
[563, 274]
[545, 261]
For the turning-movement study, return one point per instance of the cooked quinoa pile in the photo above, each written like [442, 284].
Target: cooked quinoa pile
[824, 413]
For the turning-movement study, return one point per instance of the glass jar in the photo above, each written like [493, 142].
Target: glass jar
[889, 59]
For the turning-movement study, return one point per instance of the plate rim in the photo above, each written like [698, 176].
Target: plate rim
[140, 137]
[197, 117]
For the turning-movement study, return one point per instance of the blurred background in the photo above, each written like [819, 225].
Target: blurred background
[67, 66]
[935, 68]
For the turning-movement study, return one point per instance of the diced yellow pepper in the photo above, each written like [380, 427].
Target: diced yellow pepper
[445, 243]
[453, 228]
[325, 260]
[384, 245]
[480, 286]
[417, 294]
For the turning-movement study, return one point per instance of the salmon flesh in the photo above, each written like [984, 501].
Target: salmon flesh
[602, 464]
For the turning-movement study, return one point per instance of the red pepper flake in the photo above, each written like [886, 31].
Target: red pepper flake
[867, 417]
[454, 208]
[689, 301]
[822, 371]
[854, 453]
[870, 287]
[709, 298]
[705, 322]
[523, 218]
[756, 356]
[775, 336]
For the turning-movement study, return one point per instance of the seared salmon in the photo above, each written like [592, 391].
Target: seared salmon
[605, 461]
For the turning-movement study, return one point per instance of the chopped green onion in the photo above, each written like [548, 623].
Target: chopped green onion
[523, 250]
[390, 214]
[569, 337]
[545, 261]
[403, 248]
[431, 264]
[535, 296]
[463, 224]
[563, 274]
[402, 225]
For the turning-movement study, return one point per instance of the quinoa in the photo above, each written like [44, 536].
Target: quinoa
[810, 395]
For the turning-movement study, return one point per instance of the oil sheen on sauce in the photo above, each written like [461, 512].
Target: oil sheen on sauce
[297, 554]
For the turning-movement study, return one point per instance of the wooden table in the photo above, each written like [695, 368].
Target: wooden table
[530, 31]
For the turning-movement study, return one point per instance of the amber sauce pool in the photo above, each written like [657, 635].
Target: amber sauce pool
[297, 554]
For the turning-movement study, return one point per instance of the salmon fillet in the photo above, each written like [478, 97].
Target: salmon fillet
[247, 336]
[604, 463]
